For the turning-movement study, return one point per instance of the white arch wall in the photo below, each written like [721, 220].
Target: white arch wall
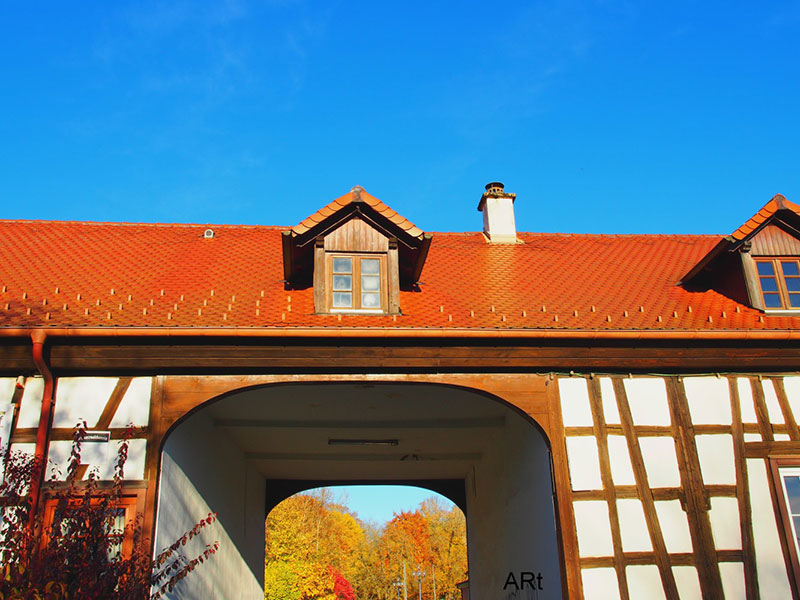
[511, 518]
[510, 512]
[202, 471]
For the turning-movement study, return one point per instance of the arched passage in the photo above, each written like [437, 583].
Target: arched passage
[226, 454]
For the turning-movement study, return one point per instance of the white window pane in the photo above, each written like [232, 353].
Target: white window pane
[342, 265]
[342, 299]
[343, 282]
[371, 266]
[370, 300]
[370, 283]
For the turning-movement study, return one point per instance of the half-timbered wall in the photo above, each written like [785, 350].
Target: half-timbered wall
[110, 404]
[670, 484]
[670, 489]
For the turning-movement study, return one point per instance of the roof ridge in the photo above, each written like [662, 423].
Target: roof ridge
[139, 224]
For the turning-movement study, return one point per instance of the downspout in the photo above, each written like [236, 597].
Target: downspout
[45, 421]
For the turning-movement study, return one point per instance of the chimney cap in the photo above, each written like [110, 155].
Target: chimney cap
[494, 189]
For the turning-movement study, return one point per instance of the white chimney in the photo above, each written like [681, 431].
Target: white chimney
[498, 214]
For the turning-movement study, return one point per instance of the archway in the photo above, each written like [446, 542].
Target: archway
[226, 455]
[367, 542]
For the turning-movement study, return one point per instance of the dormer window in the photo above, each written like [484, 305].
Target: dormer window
[357, 254]
[759, 263]
[357, 283]
[779, 279]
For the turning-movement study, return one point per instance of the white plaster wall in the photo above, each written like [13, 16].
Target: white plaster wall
[644, 581]
[773, 406]
[593, 526]
[135, 406]
[575, 408]
[511, 516]
[7, 385]
[687, 581]
[610, 408]
[709, 400]
[773, 581]
[647, 397]
[202, 471]
[584, 463]
[31, 406]
[674, 526]
[84, 398]
[792, 386]
[600, 584]
[81, 399]
[715, 453]
[746, 400]
[99, 456]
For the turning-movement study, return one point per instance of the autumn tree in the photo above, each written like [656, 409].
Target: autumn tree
[311, 544]
[318, 550]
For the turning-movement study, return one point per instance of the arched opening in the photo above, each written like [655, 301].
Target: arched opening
[240, 455]
[378, 542]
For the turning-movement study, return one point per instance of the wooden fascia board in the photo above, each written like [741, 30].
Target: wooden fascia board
[369, 214]
[426, 356]
[776, 219]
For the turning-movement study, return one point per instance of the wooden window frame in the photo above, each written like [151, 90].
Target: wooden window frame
[357, 257]
[754, 280]
[784, 517]
[132, 501]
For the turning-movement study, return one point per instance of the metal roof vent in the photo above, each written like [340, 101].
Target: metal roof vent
[208, 234]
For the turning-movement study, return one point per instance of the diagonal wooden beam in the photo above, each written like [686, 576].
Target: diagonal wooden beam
[110, 409]
[571, 581]
[786, 409]
[645, 493]
[697, 500]
[762, 415]
[743, 495]
[601, 434]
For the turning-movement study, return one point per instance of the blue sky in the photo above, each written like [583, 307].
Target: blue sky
[608, 116]
[379, 503]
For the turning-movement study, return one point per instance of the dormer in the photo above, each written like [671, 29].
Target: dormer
[759, 263]
[357, 253]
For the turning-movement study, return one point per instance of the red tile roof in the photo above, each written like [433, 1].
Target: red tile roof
[68, 274]
[357, 194]
[778, 202]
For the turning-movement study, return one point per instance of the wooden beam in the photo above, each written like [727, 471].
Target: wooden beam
[648, 430]
[697, 499]
[218, 356]
[157, 427]
[630, 491]
[28, 434]
[571, 582]
[110, 409]
[762, 415]
[767, 449]
[743, 495]
[683, 559]
[661, 556]
[609, 492]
